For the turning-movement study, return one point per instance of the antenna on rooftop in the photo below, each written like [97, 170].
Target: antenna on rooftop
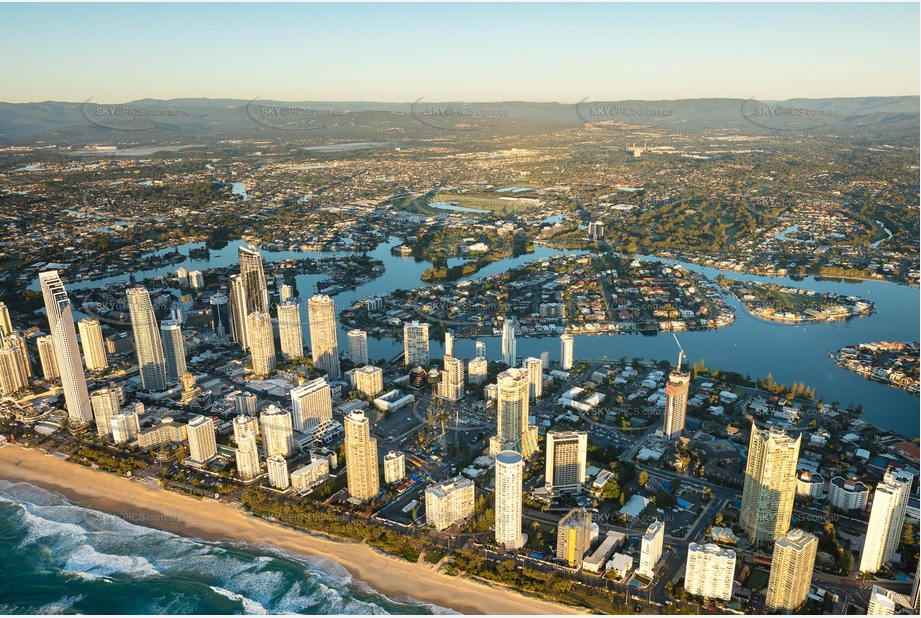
[681, 354]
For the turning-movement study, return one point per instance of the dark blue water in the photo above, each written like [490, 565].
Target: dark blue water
[749, 346]
[60, 558]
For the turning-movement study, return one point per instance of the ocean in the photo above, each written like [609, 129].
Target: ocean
[60, 558]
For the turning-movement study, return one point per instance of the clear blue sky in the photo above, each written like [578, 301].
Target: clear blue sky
[473, 52]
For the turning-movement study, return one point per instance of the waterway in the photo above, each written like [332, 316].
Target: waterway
[749, 346]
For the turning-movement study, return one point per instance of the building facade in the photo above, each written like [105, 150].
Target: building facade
[770, 484]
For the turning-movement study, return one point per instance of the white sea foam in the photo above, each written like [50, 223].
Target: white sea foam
[250, 607]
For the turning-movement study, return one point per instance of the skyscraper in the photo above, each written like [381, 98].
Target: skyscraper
[481, 350]
[514, 432]
[449, 343]
[358, 347]
[277, 432]
[247, 455]
[238, 311]
[202, 442]
[173, 349]
[48, 358]
[416, 344]
[278, 472]
[451, 387]
[449, 502]
[105, 407]
[566, 456]
[566, 352]
[676, 402]
[125, 427]
[324, 345]
[574, 537]
[770, 484]
[651, 548]
[245, 403]
[220, 315]
[710, 571]
[369, 380]
[509, 468]
[477, 370]
[243, 424]
[6, 325]
[19, 342]
[535, 371]
[12, 374]
[147, 342]
[791, 571]
[887, 516]
[94, 349]
[311, 405]
[252, 275]
[509, 346]
[261, 343]
[394, 467]
[361, 458]
[64, 337]
[289, 330]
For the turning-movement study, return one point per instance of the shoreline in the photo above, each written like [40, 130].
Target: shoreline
[141, 504]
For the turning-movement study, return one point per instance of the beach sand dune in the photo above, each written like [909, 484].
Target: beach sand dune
[217, 521]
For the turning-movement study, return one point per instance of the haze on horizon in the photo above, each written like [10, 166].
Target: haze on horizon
[444, 52]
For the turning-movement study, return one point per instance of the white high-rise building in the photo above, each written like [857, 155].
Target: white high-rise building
[477, 371]
[105, 407]
[64, 337]
[261, 343]
[94, 349]
[247, 455]
[509, 468]
[451, 386]
[566, 457]
[147, 342]
[710, 571]
[278, 472]
[182, 274]
[887, 516]
[361, 458]
[277, 432]
[312, 405]
[285, 293]
[173, 349]
[289, 330]
[770, 484]
[449, 343]
[243, 424]
[791, 571]
[545, 360]
[202, 442]
[509, 345]
[847, 494]
[125, 427]
[566, 352]
[358, 347]
[394, 467]
[450, 502]
[480, 350]
[369, 380]
[237, 297]
[48, 358]
[513, 388]
[196, 279]
[6, 325]
[19, 342]
[324, 345]
[651, 548]
[885, 602]
[416, 344]
[676, 403]
[535, 371]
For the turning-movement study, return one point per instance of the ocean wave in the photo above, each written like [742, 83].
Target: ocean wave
[264, 579]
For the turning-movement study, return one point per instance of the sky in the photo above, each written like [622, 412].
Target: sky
[452, 52]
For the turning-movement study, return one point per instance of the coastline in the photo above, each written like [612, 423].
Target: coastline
[141, 504]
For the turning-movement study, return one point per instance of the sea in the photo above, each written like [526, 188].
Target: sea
[61, 558]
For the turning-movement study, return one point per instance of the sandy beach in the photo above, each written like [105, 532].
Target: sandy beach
[216, 521]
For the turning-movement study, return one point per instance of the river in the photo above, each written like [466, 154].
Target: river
[748, 346]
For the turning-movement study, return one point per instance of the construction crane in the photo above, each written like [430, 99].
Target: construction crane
[681, 354]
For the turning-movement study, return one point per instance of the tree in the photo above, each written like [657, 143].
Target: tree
[644, 478]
